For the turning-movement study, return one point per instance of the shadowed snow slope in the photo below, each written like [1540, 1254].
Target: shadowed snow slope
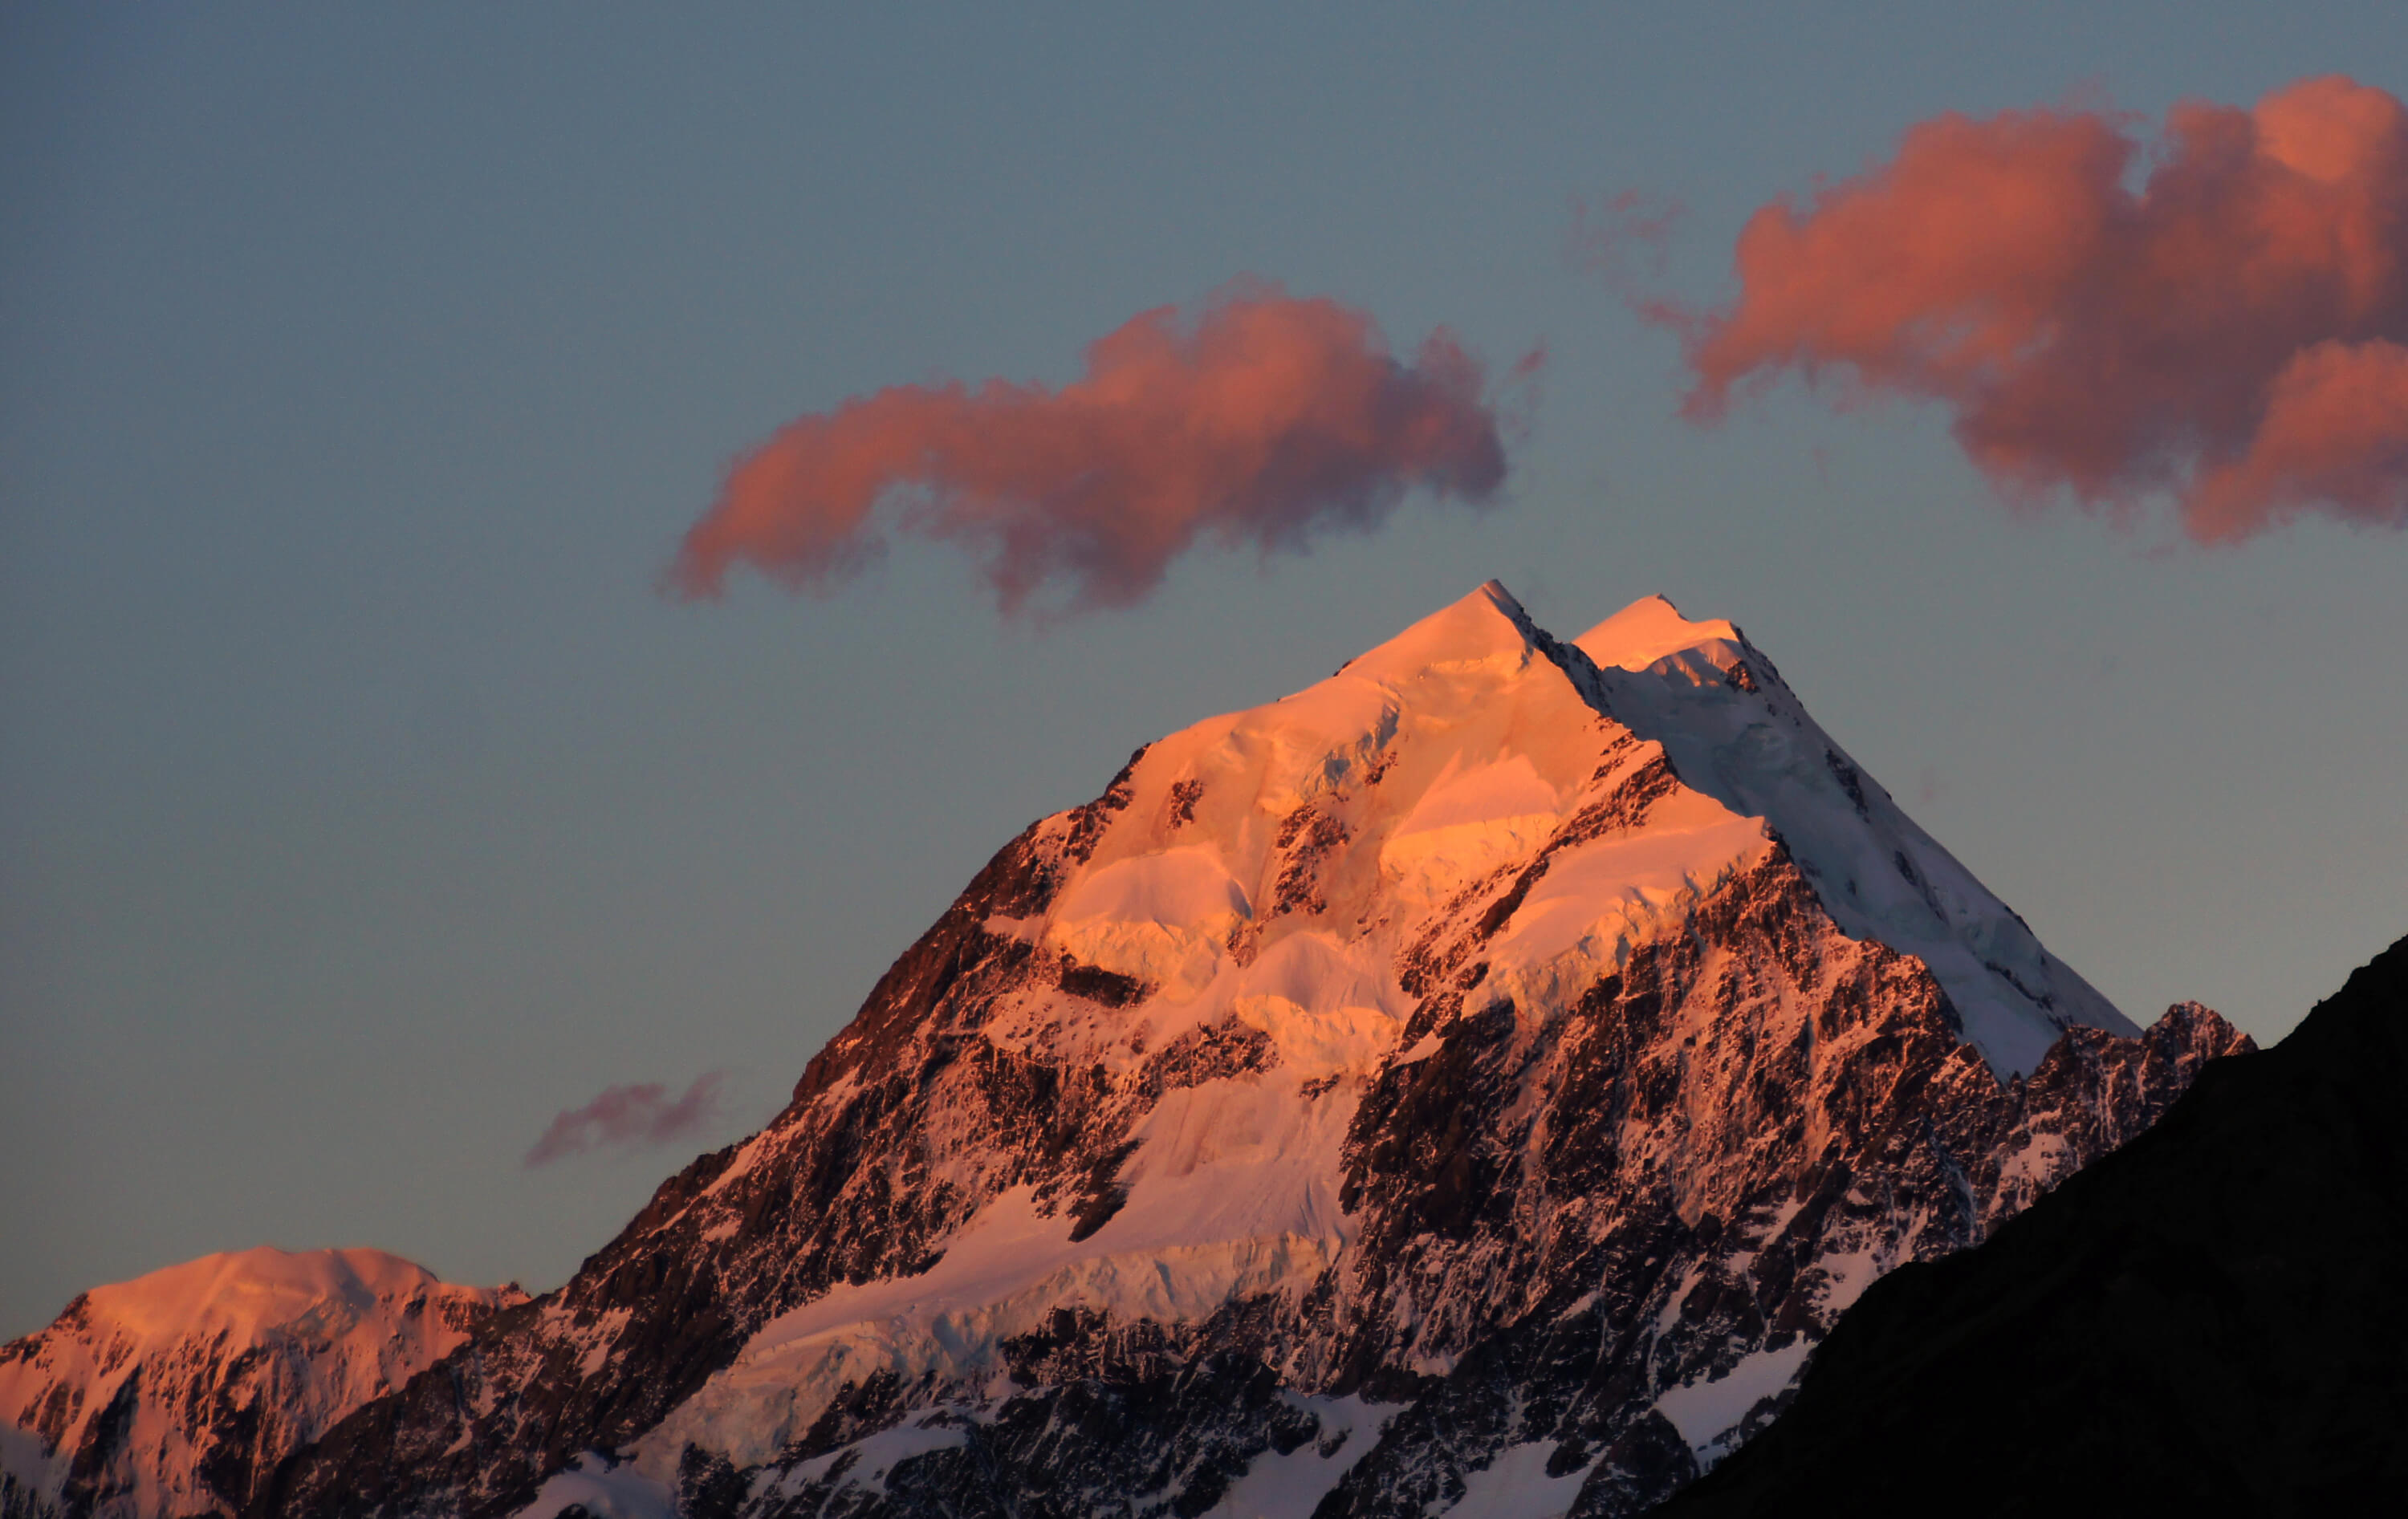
[1733, 730]
[1473, 1081]
[174, 1392]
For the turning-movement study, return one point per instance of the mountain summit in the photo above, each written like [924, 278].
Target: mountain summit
[1478, 1078]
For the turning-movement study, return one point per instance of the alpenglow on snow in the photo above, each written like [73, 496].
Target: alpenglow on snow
[1472, 1084]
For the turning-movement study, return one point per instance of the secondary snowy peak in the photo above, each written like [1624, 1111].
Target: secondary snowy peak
[171, 1394]
[1651, 630]
[250, 1294]
[1734, 730]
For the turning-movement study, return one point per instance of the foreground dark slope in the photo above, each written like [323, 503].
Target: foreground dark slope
[2209, 1321]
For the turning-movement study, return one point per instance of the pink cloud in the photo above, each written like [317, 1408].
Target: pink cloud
[1263, 419]
[2229, 332]
[629, 1116]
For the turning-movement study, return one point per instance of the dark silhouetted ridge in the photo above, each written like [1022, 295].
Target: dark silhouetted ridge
[2209, 1321]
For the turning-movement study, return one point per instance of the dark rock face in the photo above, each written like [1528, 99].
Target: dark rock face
[2207, 1322]
[1165, 1441]
[21, 1500]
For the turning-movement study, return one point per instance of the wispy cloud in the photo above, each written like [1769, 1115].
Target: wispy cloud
[1627, 239]
[1262, 421]
[2219, 318]
[629, 1117]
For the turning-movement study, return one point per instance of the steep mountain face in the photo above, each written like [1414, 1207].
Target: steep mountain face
[2209, 1322]
[1483, 1075]
[178, 1392]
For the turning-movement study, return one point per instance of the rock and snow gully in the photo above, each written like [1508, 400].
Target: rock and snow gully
[1471, 1085]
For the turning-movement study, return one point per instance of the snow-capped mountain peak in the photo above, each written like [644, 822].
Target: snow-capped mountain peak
[174, 1392]
[1482, 1074]
[249, 1295]
[1459, 749]
[1651, 629]
[1487, 625]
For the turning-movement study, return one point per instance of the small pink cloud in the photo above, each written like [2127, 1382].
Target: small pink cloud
[1263, 419]
[2230, 329]
[629, 1117]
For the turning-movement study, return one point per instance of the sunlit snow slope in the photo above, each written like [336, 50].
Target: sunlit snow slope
[172, 1394]
[1473, 1081]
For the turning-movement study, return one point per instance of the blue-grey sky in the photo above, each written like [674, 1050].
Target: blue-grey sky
[364, 805]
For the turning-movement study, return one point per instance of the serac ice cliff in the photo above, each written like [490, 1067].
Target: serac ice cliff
[1483, 1074]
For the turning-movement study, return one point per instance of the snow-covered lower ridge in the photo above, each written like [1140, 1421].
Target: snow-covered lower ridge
[1471, 1083]
[175, 1392]
[1005, 1280]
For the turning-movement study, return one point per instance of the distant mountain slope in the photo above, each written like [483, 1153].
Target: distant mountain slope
[1480, 1077]
[175, 1392]
[2213, 1320]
